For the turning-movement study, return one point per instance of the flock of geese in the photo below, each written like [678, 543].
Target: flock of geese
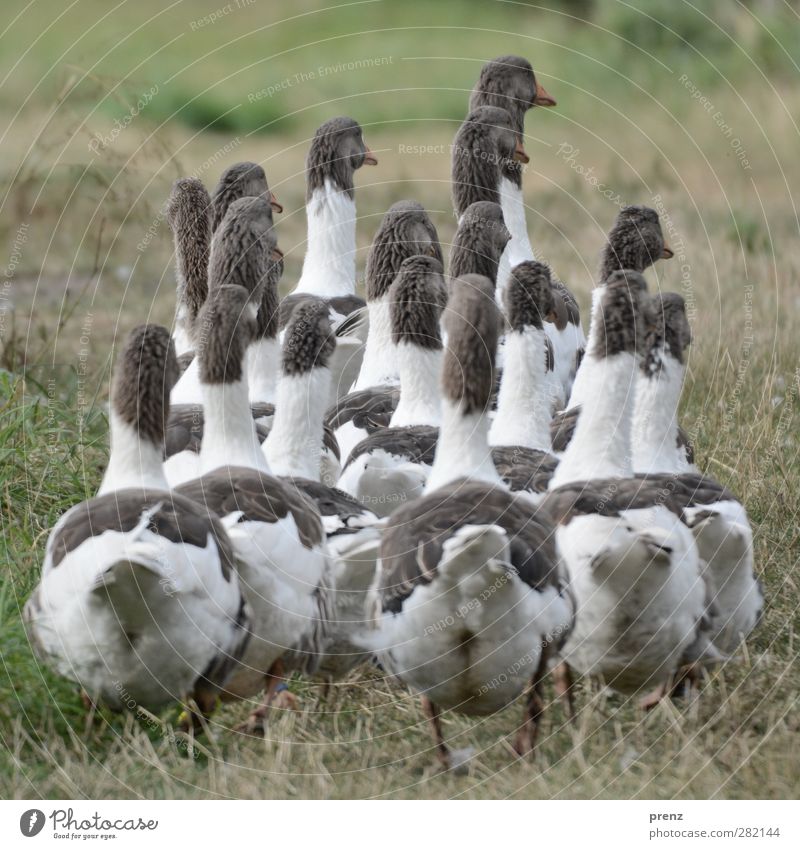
[448, 479]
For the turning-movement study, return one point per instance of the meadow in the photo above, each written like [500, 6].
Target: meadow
[689, 110]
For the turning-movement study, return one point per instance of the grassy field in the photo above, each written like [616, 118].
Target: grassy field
[693, 117]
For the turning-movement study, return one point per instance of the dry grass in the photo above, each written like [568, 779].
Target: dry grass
[735, 228]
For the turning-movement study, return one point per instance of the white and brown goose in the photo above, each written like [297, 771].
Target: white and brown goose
[405, 231]
[634, 567]
[293, 449]
[390, 466]
[244, 250]
[337, 151]
[485, 148]
[717, 518]
[140, 597]
[635, 242]
[473, 600]
[276, 531]
[520, 431]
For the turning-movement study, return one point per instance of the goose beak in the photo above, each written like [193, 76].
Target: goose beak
[542, 98]
[370, 158]
[520, 155]
[273, 202]
[276, 255]
[667, 252]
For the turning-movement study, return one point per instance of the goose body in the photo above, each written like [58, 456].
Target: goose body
[633, 564]
[472, 597]
[139, 600]
[717, 518]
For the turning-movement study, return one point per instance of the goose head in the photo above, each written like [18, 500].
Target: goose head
[406, 230]
[417, 298]
[510, 83]
[635, 242]
[244, 179]
[479, 242]
[145, 373]
[337, 150]
[529, 299]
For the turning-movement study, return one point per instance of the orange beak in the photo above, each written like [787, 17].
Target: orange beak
[667, 252]
[273, 202]
[542, 98]
[370, 158]
[519, 153]
[276, 255]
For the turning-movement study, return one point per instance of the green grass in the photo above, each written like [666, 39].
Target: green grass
[71, 224]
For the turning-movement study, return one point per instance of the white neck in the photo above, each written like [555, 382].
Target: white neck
[263, 364]
[519, 247]
[601, 444]
[229, 433]
[187, 389]
[379, 366]
[329, 268]
[655, 422]
[580, 383]
[294, 445]
[463, 449]
[181, 335]
[133, 462]
[523, 407]
[419, 386]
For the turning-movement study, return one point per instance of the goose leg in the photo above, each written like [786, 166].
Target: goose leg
[434, 716]
[534, 708]
[275, 688]
[562, 682]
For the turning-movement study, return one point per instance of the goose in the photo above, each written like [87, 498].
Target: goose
[337, 151]
[635, 242]
[717, 518]
[520, 431]
[633, 565]
[390, 466]
[275, 530]
[248, 223]
[293, 452]
[472, 597]
[189, 219]
[486, 146]
[405, 231]
[244, 179]
[260, 263]
[508, 83]
[139, 600]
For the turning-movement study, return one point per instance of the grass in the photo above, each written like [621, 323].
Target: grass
[76, 280]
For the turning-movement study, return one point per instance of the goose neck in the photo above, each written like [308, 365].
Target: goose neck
[523, 410]
[419, 370]
[655, 423]
[463, 449]
[329, 267]
[134, 461]
[379, 366]
[294, 445]
[229, 433]
[263, 363]
[601, 444]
